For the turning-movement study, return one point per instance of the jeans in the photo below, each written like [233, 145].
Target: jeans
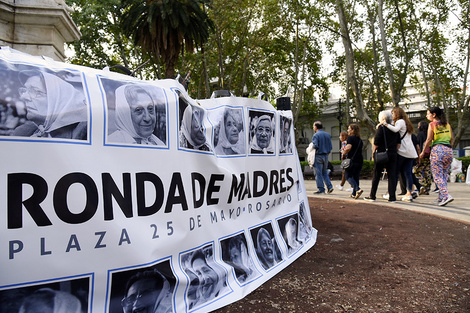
[321, 172]
[404, 166]
[352, 174]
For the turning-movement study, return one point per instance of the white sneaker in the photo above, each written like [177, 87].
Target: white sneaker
[349, 189]
[446, 200]
[407, 198]
[339, 187]
[386, 196]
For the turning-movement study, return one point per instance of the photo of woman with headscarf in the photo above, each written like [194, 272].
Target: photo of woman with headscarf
[305, 224]
[54, 107]
[50, 301]
[285, 135]
[211, 279]
[230, 139]
[289, 230]
[136, 115]
[262, 127]
[266, 247]
[61, 296]
[192, 132]
[235, 253]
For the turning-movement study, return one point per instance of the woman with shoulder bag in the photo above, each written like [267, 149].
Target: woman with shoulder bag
[354, 149]
[385, 141]
[406, 151]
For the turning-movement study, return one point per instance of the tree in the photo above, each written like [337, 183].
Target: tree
[163, 27]
[102, 41]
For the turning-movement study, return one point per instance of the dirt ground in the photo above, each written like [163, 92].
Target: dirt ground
[370, 258]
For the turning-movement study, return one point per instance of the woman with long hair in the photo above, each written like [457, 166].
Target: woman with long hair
[440, 140]
[354, 151]
[407, 151]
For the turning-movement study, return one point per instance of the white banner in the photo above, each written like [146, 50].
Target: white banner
[121, 195]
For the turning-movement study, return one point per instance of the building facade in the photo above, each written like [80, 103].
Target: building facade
[37, 27]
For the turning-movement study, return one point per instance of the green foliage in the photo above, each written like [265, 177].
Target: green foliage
[163, 28]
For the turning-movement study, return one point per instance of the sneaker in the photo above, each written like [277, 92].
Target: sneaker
[446, 200]
[369, 199]
[358, 193]
[407, 198]
[436, 190]
[339, 187]
[392, 201]
[349, 189]
[318, 192]
[330, 190]
[422, 190]
[414, 194]
[386, 196]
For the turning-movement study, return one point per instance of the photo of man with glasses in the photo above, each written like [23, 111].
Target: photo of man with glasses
[143, 290]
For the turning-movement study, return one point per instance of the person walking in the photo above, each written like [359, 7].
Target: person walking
[440, 140]
[354, 151]
[423, 169]
[343, 137]
[322, 143]
[385, 140]
[407, 151]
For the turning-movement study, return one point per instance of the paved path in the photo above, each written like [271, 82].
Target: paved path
[458, 210]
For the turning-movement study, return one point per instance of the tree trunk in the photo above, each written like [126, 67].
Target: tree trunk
[388, 65]
[372, 18]
[220, 59]
[463, 106]
[206, 75]
[350, 71]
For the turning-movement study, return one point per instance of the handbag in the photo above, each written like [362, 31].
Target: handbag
[382, 157]
[346, 163]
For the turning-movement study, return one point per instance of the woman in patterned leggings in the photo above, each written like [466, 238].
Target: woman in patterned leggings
[440, 140]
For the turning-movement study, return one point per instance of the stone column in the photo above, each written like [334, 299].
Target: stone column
[37, 27]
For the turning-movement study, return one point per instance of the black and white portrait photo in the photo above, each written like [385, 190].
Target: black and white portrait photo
[305, 224]
[285, 138]
[207, 279]
[266, 246]
[143, 290]
[235, 253]
[136, 114]
[289, 227]
[262, 132]
[65, 296]
[229, 131]
[40, 103]
[192, 133]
